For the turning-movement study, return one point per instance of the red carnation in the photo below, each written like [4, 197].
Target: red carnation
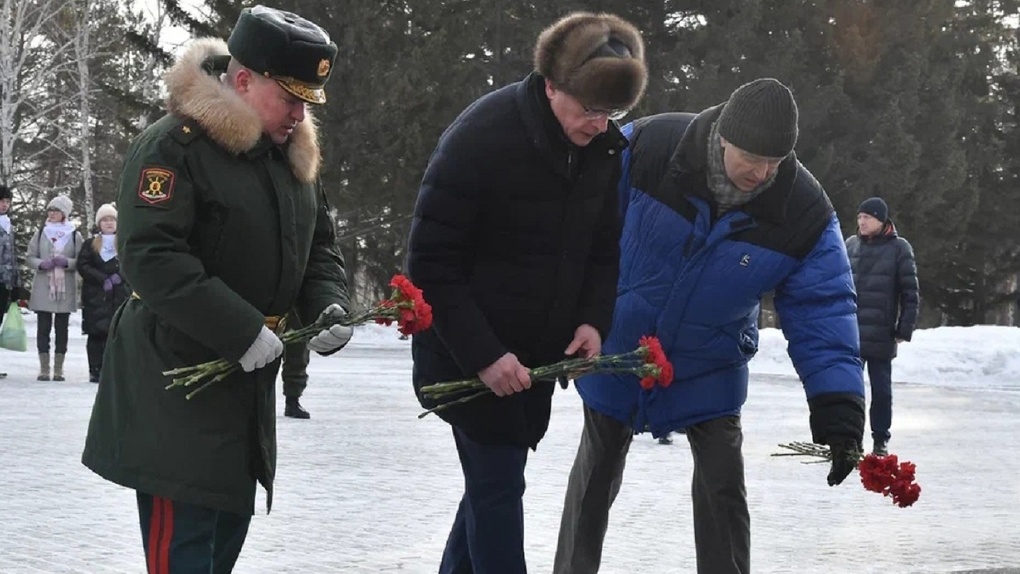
[888, 476]
[413, 313]
[656, 357]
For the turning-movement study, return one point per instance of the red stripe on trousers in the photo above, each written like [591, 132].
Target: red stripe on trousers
[161, 531]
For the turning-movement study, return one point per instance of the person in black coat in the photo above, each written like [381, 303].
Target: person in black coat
[514, 243]
[885, 276]
[10, 280]
[102, 289]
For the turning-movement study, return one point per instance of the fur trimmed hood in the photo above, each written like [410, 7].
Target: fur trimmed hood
[228, 120]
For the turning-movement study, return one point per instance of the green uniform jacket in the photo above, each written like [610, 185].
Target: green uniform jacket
[218, 228]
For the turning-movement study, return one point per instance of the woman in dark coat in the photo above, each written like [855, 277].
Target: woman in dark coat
[102, 290]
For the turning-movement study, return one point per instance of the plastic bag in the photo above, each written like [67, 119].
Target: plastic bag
[12, 335]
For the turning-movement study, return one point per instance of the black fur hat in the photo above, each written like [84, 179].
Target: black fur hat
[5, 192]
[597, 58]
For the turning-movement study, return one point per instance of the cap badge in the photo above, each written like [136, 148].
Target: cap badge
[323, 70]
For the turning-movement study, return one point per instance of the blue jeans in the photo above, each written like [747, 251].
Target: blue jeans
[488, 532]
[182, 538]
[880, 373]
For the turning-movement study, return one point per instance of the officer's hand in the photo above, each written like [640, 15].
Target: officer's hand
[334, 338]
[587, 342]
[506, 376]
[845, 456]
[264, 350]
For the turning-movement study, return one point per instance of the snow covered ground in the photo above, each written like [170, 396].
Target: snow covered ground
[956, 357]
[366, 487]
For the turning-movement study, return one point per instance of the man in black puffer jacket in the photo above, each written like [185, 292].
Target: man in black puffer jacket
[515, 245]
[885, 276]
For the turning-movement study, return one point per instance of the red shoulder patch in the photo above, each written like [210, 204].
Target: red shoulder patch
[156, 185]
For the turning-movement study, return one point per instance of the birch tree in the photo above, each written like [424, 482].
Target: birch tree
[30, 61]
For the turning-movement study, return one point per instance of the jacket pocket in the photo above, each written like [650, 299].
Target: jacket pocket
[176, 348]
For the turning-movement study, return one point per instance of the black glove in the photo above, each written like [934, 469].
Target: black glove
[845, 455]
[837, 419]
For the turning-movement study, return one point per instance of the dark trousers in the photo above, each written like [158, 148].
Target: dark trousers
[295, 369]
[42, 332]
[183, 538]
[488, 531]
[880, 413]
[722, 525]
[95, 345]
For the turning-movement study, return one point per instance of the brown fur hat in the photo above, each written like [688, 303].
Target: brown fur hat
[597, 58]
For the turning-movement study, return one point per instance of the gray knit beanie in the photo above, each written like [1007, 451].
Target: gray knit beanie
[761, 118]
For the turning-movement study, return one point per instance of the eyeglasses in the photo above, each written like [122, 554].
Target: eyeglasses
[593, 114]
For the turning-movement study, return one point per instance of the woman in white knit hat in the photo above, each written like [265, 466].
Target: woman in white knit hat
[52, 253]
[103, 289]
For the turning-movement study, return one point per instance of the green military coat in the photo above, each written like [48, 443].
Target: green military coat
[218, 228]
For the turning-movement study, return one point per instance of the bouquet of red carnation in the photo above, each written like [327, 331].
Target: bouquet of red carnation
[883, 474]
[405, 306]
[647, 361]
[413, 314]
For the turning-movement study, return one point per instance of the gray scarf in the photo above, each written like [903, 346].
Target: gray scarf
[727, 195]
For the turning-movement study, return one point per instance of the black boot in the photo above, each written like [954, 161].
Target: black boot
[295, 410]
[665, 440]
[93, 377]
[881, 448]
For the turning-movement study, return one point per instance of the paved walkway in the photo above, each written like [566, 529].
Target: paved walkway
[366, 487]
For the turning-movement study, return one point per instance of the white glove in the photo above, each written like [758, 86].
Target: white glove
[333, 338]
[266, 348]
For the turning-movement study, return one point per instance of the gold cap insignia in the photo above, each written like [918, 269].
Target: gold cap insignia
[323, 68]
[310, 94]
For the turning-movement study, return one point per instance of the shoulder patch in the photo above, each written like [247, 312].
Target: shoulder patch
[156, 185]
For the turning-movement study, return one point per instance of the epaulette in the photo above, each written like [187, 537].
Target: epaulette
[186, 131]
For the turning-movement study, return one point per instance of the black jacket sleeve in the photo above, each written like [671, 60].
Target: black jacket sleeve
[440, 246]
[907, 288]
[599, 292]
[837, 417]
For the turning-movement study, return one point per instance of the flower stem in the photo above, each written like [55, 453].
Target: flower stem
[456, 402]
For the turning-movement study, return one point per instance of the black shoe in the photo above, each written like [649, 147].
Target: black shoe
[3, 375]
[295, 410]
[881, 448]
[665, 440]
[93, 377]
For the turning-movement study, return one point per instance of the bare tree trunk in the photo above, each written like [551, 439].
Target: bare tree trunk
[82, 55]
[29, 63]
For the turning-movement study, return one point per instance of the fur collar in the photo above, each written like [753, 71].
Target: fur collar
[227, 119]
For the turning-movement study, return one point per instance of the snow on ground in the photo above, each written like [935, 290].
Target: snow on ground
[958, 357]
[365, 487]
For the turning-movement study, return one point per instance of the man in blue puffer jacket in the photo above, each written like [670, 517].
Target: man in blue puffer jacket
[717, 211]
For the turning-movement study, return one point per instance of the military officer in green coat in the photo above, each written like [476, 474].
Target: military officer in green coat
[223, 230]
